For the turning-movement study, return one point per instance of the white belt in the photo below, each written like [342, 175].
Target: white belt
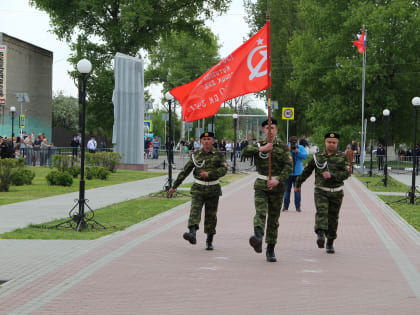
[330, 189]
[262, 177]
[201, 182]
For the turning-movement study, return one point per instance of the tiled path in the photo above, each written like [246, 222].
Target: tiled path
[150, 269]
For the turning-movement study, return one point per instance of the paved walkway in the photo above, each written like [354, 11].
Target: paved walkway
[150, 269]
[21, 214]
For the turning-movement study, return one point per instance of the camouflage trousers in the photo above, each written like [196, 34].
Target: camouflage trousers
[210, 203]
[267, 205]
[327, 210]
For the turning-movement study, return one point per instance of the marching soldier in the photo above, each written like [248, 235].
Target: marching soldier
[331, 169]
[268, 195]
[208, 165]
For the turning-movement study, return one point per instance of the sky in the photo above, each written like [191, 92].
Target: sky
[24, 22]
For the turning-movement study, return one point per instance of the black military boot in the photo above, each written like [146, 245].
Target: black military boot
[190, 236]
[320, 238]
[330, 247]
[209, 242]
[271, 257]
[256, 241]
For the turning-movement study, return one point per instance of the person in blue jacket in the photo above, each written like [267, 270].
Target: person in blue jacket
[298, 153]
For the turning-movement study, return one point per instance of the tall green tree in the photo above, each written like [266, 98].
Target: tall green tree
[283, 24]
[64, 112]
[105, 27]
[328, 68]
[181, 57]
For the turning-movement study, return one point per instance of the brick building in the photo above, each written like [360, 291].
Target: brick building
[25, 68]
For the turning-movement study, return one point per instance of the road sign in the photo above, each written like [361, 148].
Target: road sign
[288, 113]
[148, 126]
[165, 116]
[274, 105]
[21, 121]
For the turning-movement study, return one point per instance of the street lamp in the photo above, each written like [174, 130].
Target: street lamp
[386, 113]
[84, 67]
[372, 120]
[12, 111]
[416, 103]
[169, 98]
[235, 122]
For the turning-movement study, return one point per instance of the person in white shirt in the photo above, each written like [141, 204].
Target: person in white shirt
[197, 145]
[91, 145]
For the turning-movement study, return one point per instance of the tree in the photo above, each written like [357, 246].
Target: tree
[328, 68]
[64, 112]
[181, 57]
[283, 24]
[106, 27]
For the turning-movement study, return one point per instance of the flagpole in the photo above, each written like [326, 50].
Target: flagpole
[269, 89]
[362, 146]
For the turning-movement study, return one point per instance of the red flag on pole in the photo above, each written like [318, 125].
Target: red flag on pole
[360, 43]
[243, 71]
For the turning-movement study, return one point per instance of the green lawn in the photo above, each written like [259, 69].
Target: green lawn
[40, 188]
[411, 213]
[375, 183]
[115, 218]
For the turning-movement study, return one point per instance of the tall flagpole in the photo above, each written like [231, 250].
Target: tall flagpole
[362, 146]
[269, 89]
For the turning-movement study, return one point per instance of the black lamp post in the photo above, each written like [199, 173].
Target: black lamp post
[169, 98]
[372, 120]
[12, 111]
[386, 113]
[84, 67]
[235, 123]
[416, 103]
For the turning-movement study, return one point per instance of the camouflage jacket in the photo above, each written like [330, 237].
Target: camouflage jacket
[281, 164]
[337, 164]
[213, 162]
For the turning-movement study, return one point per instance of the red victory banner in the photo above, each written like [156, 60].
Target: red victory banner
[243, 71]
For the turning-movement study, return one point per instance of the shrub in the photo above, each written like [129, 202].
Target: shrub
[59, 178]
[97, 172]
[74, 171]
[62, 162]
[23, 177]
[8, 168]
[109, 160]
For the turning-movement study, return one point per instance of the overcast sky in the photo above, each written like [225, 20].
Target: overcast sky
[22, 21]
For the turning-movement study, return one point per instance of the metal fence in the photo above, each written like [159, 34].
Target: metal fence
[38, 156]
[397, 164]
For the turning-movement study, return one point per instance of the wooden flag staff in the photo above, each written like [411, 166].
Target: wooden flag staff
[269, 91]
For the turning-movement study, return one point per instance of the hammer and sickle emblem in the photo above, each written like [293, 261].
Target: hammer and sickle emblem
[255, 71]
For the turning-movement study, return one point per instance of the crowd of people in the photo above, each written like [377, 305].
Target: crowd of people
[28, 146]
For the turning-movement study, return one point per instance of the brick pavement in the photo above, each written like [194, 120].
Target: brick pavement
[150, 269]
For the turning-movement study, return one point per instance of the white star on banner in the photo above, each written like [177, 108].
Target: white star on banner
[260, 41]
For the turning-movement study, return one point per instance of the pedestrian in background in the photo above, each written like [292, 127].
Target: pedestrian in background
[298, 154]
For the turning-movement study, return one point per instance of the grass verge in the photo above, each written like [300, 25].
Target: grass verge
[115, 217]
[375, 183]
[40, 188]
[410, 213]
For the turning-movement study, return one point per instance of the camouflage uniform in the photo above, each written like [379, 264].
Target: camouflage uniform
[268, 202]
[216, 166]
[327, 203]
